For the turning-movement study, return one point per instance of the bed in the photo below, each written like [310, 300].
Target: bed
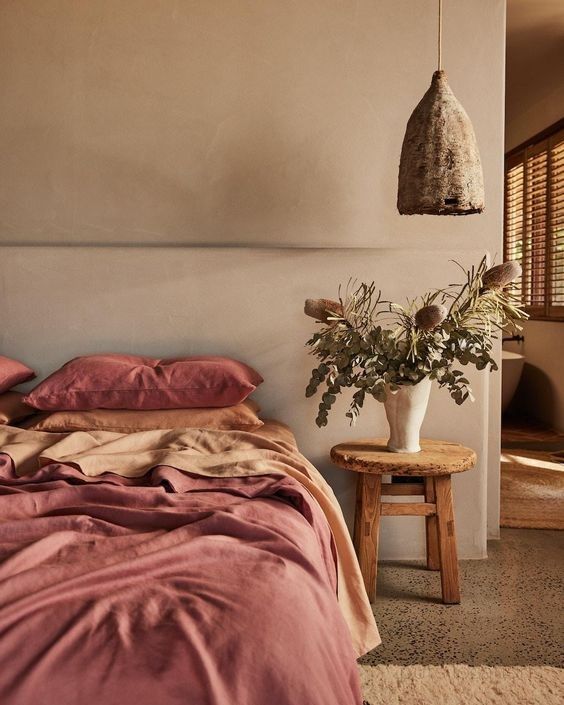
[96, 606]
[181, 566]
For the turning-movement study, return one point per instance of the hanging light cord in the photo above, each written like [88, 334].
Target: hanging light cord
[440, 42]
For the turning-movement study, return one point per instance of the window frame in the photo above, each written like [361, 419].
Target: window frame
[542, 141]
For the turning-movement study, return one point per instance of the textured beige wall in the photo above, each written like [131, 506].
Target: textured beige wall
[529, 118]
[535, 68]
[253, 315]
[243, 122]
[234, 121]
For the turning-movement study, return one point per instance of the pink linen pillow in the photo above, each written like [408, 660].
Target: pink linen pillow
[13, 372]
[135, 382]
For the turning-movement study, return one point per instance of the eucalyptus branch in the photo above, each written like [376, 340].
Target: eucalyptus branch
[427, 337]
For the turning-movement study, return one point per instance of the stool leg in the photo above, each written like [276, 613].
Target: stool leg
[447, 541]
[431, 531]
[366, 528]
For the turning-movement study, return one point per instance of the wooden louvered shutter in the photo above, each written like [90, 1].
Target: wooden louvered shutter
[555, 245]
[514, 198]
[534, 222]
[535, 230]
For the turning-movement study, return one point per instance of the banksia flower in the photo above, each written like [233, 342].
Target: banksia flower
[430, 317]
[501, 275]
[323, 309]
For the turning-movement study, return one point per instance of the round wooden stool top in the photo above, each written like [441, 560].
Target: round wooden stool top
[371, 456]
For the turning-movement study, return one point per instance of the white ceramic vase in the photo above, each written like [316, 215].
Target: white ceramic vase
[405, 411]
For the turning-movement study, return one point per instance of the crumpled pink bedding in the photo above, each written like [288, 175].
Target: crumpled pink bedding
[168, 589]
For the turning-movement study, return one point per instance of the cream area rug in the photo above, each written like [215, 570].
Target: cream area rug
[462, 685]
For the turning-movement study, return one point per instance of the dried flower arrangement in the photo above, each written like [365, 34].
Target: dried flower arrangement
[376, 346]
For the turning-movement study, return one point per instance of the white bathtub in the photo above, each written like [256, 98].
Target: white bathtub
[511, 369]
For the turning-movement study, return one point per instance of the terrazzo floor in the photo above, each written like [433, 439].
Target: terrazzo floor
[511, 612]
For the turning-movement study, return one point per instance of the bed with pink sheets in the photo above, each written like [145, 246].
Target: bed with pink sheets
[183, 567]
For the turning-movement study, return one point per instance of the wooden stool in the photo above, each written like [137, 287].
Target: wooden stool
[436, 462]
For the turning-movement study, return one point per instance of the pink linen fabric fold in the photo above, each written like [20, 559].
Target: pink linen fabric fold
[172, 588]
[115, 381]
[267, 451]
[13, 373]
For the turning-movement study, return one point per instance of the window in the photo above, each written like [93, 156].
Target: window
[534, 220]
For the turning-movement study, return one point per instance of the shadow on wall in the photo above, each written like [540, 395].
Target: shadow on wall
[535, 397]
[248, 183]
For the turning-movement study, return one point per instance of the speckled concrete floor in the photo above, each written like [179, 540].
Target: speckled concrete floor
[511, 613]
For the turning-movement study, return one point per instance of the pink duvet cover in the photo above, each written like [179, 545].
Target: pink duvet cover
[168, 589]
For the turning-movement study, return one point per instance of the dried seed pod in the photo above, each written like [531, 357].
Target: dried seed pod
[429, 317]
[501, 275]
[322, 309]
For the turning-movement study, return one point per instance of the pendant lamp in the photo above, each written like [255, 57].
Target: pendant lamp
[440, 170]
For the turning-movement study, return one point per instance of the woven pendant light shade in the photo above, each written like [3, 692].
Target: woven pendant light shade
[440, 170]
